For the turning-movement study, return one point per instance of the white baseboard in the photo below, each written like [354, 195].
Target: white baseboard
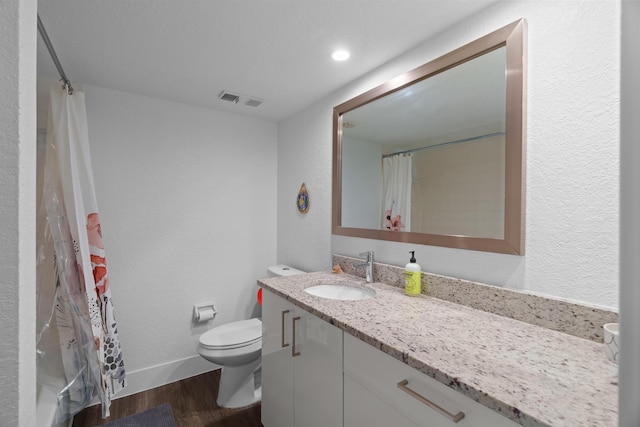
[159, 375]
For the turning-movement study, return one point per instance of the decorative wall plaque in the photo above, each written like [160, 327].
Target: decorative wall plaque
[303, 199]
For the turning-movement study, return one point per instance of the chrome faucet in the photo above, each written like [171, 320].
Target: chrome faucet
[368, 265]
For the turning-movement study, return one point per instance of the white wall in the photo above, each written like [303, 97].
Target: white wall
[572, 230]
[304, 155]
[187, 199]
[17, 212]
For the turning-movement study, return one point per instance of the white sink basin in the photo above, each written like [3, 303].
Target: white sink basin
[340, 291]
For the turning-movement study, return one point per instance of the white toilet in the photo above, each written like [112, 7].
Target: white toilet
[237, 347]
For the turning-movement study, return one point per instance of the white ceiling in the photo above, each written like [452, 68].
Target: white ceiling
[277, 50]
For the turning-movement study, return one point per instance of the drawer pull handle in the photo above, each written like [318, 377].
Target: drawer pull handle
[402, 385]
[283, 343]
[294, 353]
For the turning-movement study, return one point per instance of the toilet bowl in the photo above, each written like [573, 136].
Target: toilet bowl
[237, 347]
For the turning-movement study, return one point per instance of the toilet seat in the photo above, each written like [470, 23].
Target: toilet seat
[232, 335]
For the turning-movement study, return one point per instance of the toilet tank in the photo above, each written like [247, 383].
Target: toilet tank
[283, 270]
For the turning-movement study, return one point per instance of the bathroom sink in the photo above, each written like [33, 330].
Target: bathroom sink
[340, 291]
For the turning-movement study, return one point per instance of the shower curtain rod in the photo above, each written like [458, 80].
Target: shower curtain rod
[54, 57]
[474, 138]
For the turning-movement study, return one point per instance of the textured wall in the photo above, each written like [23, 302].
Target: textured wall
[188, 206]
[17, 213]
[9, 232]
[304, 155]
[572, 159]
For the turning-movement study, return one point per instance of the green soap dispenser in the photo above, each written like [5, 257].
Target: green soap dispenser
[412, 277]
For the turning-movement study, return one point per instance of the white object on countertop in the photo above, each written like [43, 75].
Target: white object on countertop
[612, 341]
[282, 270]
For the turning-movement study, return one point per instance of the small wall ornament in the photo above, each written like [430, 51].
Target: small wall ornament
[303, 199]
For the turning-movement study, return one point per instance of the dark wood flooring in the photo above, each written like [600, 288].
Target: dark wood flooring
[193, 403]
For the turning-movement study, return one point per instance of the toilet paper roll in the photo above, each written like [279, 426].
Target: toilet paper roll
[205, 314]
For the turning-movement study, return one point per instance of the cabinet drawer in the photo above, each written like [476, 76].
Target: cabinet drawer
[380, 374]
[363, 408]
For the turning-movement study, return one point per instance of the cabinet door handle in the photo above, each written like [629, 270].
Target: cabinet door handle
[294, 353]
[402, 385]
[283, 343]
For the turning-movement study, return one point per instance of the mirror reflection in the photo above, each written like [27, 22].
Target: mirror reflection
[430, 158]
[436, 156]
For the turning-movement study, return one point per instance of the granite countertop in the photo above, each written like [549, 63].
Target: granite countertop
[532, 375]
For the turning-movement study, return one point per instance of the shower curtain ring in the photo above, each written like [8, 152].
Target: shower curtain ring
[66, 85]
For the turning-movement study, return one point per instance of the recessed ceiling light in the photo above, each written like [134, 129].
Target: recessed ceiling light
[340, 55]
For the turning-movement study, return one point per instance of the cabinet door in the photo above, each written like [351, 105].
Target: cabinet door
[301, 372]
[277, 363]
[317, 373]
[363, 408]
[413, 393]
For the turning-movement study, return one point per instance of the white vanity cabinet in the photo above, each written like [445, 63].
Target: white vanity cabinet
[302, 379]
[382, 391]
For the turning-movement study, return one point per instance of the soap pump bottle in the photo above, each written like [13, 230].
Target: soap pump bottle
[412, 277]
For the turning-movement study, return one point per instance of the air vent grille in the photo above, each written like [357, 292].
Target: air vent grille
[253, 102]
[228, 96]
[239, 98]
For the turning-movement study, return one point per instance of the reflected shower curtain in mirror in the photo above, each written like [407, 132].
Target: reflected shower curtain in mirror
[396, 192]
[86, 326]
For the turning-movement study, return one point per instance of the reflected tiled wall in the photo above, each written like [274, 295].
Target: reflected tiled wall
[464, 187]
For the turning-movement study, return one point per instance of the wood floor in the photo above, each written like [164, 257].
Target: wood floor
[193, 403]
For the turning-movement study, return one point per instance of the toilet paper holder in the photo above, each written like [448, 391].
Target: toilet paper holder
[203, 312]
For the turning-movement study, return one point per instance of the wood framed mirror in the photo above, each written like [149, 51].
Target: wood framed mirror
[436, 156]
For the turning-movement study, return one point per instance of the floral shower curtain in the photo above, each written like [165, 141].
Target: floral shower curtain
[83, 310]
[396, 192]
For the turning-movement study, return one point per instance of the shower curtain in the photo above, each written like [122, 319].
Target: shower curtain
[74, 264]
[396, 192]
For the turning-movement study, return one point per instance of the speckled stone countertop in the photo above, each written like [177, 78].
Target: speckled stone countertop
[532, 375]
[565, 316]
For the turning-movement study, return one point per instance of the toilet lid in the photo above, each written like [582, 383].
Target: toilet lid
[233, 335]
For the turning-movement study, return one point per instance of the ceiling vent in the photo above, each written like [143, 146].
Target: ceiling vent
[228, 96]
[253, 102]
[239, 98]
